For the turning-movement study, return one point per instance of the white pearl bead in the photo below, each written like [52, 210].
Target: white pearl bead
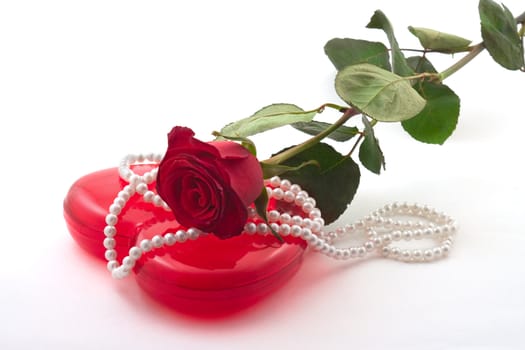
[112, 265]
[299, 200]
[277, 193]
[303, 193]
[111, 219]
[129, 190]
[361, 252]
[124, 195]
[169, 239]
[296, 230]
[295, 188]
[289, 196]
[285, 229]
[119, 201]
[157, 200]
[307, 207]
[286, 218]
[110, 254]
[396, 235]
[307, 223]
[109, 243]
[128, 262]
[311, 201]
[273, 215]
[386, 250]
[262, 228]
[305, 233]
[148, 177]
[314, 213]
[118, 273]
[318, 244]
[157, 241]
[275, 181]
[313, 240]
[405, 255]
[428, 255]
[146, 245]
[353, 252]
[417, 255]
[394, 252]
[125, 173]
[148, 196]
[115, 209]
[181, 236]
[331, 252]
[297, 220]
[285, 184]
[193, 233]
[134, 179]
[110, 231]
[250, 228]
[142, 188]
[316, 226]
[135, 253]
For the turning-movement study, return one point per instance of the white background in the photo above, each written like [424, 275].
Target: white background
[83, 83]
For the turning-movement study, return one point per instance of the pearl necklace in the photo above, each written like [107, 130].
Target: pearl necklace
[391, 223]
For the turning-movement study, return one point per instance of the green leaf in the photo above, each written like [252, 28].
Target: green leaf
[270, 170]
[382, 95]
[261, 205]
[343, 133]
[333, 183]
[245, 142]
[437, 121]
[345, 52]
[432, 39]
[370, 153]
[267, 118]
[399, 64]
[500, 35]
[421, 64]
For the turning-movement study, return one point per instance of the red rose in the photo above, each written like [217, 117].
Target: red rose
[208, 185]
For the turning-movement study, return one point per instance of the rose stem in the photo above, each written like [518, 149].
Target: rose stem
[289, 153]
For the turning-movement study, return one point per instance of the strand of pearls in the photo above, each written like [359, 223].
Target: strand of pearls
[138, 185]
[394, 222]
[391, 223]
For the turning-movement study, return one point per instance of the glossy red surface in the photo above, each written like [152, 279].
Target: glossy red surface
[203, 277]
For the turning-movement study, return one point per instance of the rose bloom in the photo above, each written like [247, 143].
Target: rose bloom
[208, 185]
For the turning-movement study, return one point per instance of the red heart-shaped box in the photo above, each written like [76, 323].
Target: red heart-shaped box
[203, 276]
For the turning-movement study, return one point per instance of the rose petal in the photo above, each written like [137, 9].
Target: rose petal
[244, 170]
